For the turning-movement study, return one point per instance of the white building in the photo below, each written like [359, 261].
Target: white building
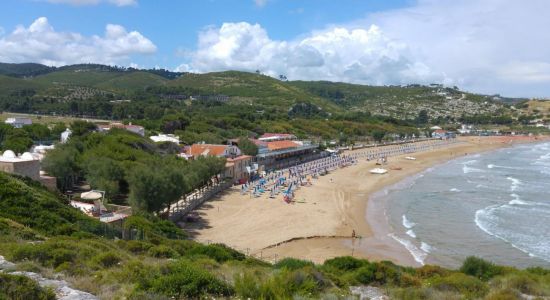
[18, 122]
[65, 135]
[165, 138]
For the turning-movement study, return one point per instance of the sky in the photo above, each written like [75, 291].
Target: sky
[484, 46]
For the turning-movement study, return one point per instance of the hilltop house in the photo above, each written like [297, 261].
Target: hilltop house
[25, 165]
[18, 122]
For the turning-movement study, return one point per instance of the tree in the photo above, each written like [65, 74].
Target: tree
[423, 117]
[62, 163]
[248, 147]
[171, 123]
[156, 185]
[104, 173]
[17, 140]
[81, 128]
[378, 135]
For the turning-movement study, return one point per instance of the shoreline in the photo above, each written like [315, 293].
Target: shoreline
[319, 227]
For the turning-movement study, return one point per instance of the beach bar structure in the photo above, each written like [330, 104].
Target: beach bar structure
[277, 151]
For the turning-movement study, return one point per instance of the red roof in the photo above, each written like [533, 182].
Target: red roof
[278, 145]
[440, 131]
[206, 149]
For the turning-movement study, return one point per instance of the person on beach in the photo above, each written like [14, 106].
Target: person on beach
[353, 234]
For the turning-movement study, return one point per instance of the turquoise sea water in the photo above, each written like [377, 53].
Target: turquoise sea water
[494, 205]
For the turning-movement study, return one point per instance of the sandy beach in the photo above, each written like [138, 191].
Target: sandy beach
[319, 224]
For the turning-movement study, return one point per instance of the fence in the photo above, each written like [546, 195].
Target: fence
[195, 200]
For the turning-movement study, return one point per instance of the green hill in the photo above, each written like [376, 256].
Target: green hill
[252, 89]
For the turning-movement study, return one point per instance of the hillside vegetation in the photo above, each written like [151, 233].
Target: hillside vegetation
[45, 235]
[223, 105]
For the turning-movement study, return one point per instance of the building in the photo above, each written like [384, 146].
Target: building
[18, 122]
[25, 165]
[132, 128]
[227, 151]
[443, 134]
[65, 135]
[271, 137]
[240, 168]
[165, 138]
[279, 150]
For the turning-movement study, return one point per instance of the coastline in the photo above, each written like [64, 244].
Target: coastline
[320, 224]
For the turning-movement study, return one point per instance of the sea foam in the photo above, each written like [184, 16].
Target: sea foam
[406, 223]
[418, 255]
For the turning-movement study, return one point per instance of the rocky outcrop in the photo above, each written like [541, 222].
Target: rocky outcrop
[61, 288]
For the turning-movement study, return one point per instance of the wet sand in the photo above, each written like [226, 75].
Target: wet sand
[319, 224]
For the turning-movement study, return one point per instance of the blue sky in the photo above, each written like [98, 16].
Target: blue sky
[174, 25]
[486, 46]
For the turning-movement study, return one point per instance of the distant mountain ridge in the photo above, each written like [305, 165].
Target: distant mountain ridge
[40, 83]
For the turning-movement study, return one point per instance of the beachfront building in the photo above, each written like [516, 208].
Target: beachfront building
[443, 134]
[227, 151]
[280, 150]
[240, 168]
[132, 128]
[18, 122]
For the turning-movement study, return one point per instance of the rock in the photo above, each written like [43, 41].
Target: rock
[60, 287]
[5, 265]
[368, 293]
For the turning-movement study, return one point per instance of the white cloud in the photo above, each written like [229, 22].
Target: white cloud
[490, 46]
[40, 42]
[94, 2]
[338, 54]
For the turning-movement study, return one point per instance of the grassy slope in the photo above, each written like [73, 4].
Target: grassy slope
[156, 267]
[252, 88]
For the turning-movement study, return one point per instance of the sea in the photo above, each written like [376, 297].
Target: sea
[494, 205]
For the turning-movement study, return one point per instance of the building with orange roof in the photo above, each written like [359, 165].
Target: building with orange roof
[228, 151]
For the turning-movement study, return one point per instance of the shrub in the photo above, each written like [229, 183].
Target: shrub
[480, 268]
[506, 294]
[136, 246]
[219, 252]
[106, 260]
[21, 287]
[468, 286]
[344, 263]
[247, 286]
[429, 271]
[184, 280]
[293, 264]
[162, 251]
[366, 274]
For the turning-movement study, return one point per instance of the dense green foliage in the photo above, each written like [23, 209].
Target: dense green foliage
[125, 164]
[215, 107]
[158, 264]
